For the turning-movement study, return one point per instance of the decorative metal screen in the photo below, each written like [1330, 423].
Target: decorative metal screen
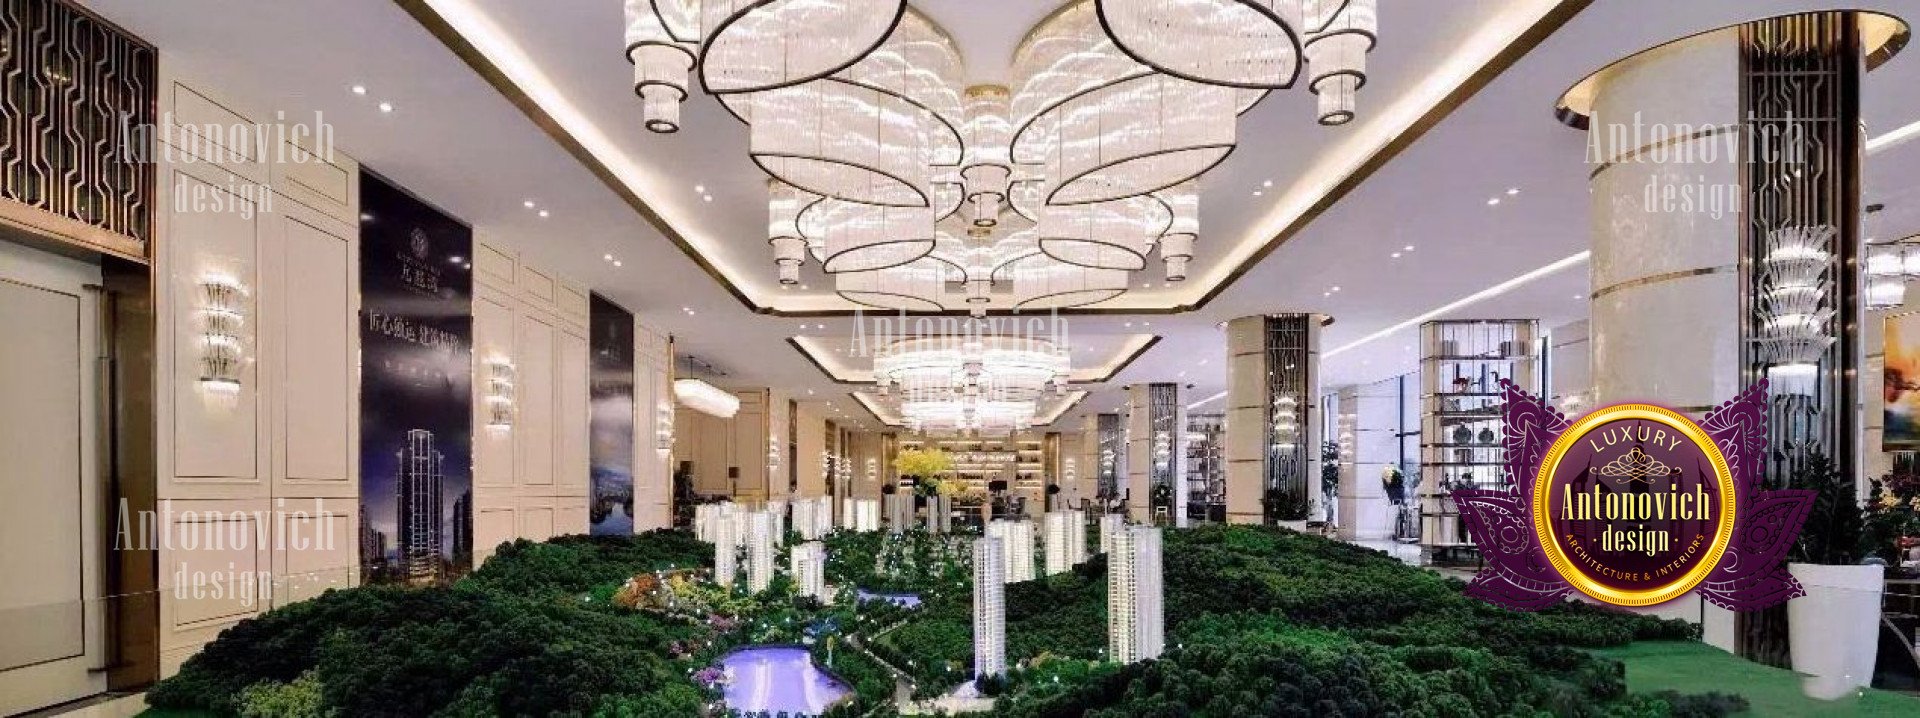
[1164, 434]
[76, 101]
[1800, 109]
[1111, 454]
[1288, 416]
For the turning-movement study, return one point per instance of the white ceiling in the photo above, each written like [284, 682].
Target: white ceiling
[458, 142]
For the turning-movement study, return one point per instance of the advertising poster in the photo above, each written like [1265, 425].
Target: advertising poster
[1902, 387]
[610, 331]
[416, 398]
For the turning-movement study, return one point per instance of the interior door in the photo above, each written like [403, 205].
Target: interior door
[50, 546]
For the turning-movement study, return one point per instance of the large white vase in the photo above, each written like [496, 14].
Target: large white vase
[1835, 628]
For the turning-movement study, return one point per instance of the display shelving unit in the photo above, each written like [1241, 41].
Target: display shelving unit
[1461, 438]
[1206, 475]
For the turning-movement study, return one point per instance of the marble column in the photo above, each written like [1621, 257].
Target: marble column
[1709, 158]
[1369, 441]
[1156, 454]
[1273, 428]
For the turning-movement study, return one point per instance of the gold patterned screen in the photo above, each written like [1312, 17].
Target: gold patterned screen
[75, 96]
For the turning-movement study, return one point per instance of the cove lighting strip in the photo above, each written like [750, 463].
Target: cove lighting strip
[1488, 293]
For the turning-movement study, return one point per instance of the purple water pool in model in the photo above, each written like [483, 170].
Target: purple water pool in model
[903, 600]
[778, 679]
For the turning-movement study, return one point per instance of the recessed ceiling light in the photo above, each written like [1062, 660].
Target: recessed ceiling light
[386, 107]
[359, 89]
[1407, 248]
[607, 257]
[809, 392]
[364, 217]
[1326, 294]
[1336, 287]
[1268, 183]
[456, 259]
[527, 204]
[1146, 324]
[700, 188]
[1396, 255]
[1578, 297]
[706, 198]
[1513, 191]
[1493, 201]
[1257, 193]
[803, 286]
[617, 263]
[543, 213]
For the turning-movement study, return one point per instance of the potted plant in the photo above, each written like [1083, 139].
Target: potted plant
[1893, 518]
[1834, 629]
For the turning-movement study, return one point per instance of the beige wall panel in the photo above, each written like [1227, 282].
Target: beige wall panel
[494, 522]
[190, 111]
[533, 427]
[318, 381]
[216, 434]
[575, 416]
[315, 547]
[493, 340]
[494, 267]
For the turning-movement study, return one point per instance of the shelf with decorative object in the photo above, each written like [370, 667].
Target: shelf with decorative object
[1461, 402]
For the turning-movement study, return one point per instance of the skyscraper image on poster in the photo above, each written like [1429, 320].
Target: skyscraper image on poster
[416, 415]
[610, 330]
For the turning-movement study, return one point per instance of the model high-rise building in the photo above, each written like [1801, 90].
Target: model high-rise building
[1066, 540]
[420, 512]
[1136, 621]
[1016, 538]
[1109, 525]
[989, 608]
[808, 562]
[899, 511]
[866, 515]
[723, 532]
[760, 550]
[803, 522]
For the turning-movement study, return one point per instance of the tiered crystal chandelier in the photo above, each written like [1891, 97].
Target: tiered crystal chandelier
[970, 383]
[916, 192]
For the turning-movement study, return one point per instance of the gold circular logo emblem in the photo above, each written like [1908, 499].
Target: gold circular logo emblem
[1634, 505]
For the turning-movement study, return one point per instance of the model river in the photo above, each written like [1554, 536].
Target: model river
[777, 679]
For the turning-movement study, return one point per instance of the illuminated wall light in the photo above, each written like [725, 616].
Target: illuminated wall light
[499, 394]
[222, 317]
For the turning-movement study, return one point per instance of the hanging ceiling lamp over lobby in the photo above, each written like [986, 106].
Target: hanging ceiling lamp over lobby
[706, 398]
[918, 192]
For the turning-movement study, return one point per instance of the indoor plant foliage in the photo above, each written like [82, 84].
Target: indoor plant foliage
[925, 466]
[1833, 629]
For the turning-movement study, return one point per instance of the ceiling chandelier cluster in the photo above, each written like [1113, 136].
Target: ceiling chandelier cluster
[972, 383]
[916, 192]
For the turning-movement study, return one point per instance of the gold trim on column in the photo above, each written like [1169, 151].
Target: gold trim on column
[1629, 155]
[1882, 34]
[1662, 277]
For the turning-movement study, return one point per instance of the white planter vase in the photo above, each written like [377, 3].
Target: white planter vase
[1835, 629]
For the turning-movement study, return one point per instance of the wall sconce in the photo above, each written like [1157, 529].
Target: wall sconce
[663, 426]
[1286, 422]
[873, 468]
[499, 394]
[221, 318]
[1794, 337]
[773, 453]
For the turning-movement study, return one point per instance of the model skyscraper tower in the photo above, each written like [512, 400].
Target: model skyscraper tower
[808, 562]
[726, 547]
[989, 608]
[1136, 622]
[1066, 541]
[420, 514]
[760, 541]
[1016, 544]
